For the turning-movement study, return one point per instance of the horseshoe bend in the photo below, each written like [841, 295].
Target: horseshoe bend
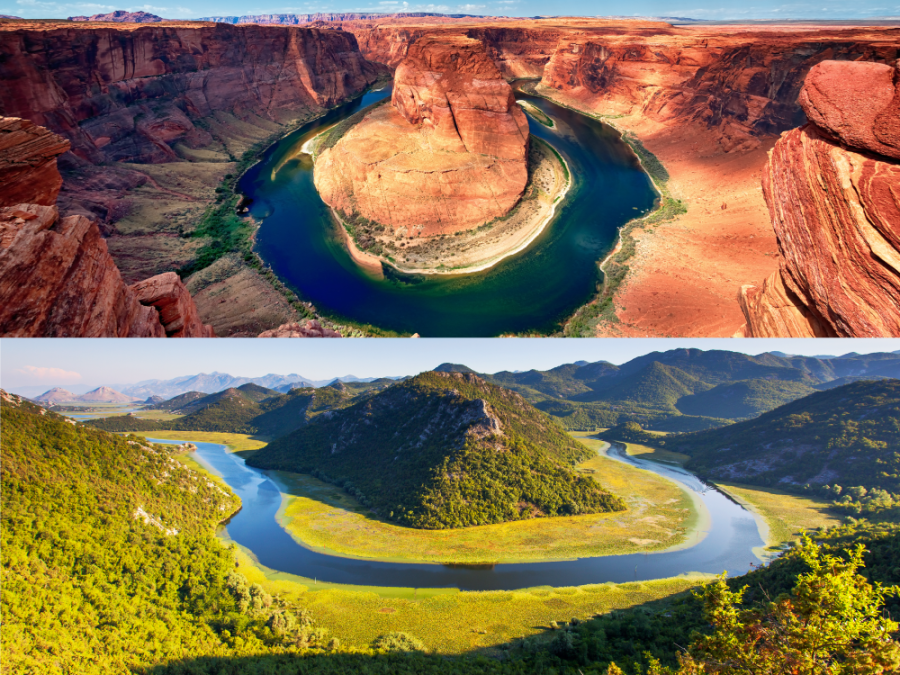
[155, 124]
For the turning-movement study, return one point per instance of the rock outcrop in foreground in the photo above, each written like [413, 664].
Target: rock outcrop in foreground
[57, 278]
[833, 191]
[448, 154]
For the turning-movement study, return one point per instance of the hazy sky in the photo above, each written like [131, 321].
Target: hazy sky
[697, 9]
[56, 362]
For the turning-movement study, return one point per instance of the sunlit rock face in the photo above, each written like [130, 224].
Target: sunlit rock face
[833, 190]
[448, 153]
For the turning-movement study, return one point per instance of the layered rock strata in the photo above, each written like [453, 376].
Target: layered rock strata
[28, 172]
[133, 92]
[447, 155]
[57, 278]
[741, 83]
[833, 190]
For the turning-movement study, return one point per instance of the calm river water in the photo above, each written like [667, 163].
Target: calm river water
[727, 545]
[533, 290]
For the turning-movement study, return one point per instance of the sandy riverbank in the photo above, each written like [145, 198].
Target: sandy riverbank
[685, 275]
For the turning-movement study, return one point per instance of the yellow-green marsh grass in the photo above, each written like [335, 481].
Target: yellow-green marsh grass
[160, 415]
[449, 621]
[656, 454]
[785, 515]
[235, 442]
[660, 515]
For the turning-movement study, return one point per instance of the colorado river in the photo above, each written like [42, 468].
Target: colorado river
[534, 290]
[726, 546]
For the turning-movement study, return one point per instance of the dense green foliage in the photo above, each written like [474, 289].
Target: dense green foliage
[109, 558]
[684, 389]
[744, 398]
[849, 435]
[444, 450]
[249, 409]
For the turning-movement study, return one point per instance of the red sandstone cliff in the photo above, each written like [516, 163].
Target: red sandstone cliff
[744, 84]
[833, 190]
[28, 172]
[449, 154]
[131, 93]
[57, 278]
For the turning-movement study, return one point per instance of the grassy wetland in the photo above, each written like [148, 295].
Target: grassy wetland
[327, 519]
[449, 621]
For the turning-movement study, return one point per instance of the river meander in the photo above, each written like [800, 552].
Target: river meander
[727, 544]
[534, 290]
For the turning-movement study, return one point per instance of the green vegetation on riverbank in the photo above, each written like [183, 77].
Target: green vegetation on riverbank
[225, 232]
[601, 308]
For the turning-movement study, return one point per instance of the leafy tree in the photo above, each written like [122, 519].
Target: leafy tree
[831, 624]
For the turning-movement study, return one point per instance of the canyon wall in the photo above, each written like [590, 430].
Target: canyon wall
[833, 191]
[448, 154]
[57, 278]
[744, 84]
[133, 93]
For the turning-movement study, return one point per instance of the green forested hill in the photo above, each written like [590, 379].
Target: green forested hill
[848, 436]
[109, 559]
[444, 450]
[746, 398]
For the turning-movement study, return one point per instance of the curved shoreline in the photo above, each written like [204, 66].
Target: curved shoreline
[535, 566]
[369, 261]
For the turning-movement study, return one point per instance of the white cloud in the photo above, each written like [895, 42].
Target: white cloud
[48, 374]
[470, 8]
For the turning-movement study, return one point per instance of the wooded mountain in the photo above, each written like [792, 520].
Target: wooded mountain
[849, 435]
[444, 450]
[686, 389]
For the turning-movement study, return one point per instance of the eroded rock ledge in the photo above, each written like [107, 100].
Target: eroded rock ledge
[833, 191]
[57, 278]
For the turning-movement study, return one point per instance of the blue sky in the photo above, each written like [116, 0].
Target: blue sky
[95, 362]
[698, 9]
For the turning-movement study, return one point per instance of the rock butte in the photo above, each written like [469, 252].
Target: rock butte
[56, 277]
[833, 189]
[447, 155]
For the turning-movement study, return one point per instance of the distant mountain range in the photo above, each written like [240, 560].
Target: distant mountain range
[677, 390]
[60, 396]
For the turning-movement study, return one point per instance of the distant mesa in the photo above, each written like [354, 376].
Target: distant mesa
[121, 16]
[448, 154]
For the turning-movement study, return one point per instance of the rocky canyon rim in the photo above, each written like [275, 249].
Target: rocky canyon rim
[689, 94]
